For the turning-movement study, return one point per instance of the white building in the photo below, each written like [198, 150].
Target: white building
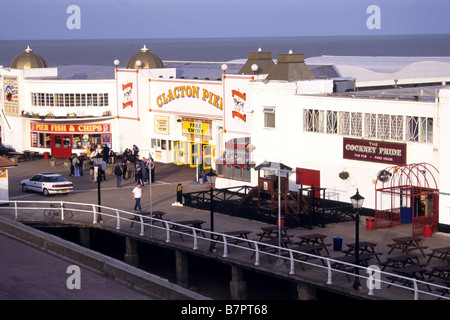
[339, 124]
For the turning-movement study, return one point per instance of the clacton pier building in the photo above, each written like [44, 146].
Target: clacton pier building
[337, 124]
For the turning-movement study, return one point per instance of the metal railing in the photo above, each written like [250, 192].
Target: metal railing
[372, 275]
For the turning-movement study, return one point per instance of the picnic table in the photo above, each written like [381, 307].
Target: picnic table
[441, 272]
[313, 238]
[440, 253]
[401, 261]
[146, 217]
[412, 271]
[273, 245]
[271, 232]
[314, 249]
[341, 263]
[183, 226]
[239, 236]
[407, 244]
[364, 247]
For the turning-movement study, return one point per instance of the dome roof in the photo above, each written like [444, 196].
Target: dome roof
[145, 59]
[28, 59]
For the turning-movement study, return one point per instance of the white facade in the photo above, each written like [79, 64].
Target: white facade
[302, 124]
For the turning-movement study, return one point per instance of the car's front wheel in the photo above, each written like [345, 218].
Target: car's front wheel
[24, 188]
[45, 192]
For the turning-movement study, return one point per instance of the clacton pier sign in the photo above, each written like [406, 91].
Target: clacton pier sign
[374, 151]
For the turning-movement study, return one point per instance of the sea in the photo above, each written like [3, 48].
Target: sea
[103, 52]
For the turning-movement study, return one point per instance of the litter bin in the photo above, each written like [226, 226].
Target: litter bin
[427, 231]
[337, 244]
[370, 223]
[281, 222]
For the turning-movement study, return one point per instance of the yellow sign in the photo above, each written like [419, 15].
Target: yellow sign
[197, 129]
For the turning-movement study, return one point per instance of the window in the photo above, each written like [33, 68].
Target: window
[383, 126]
[370, 125]
[419, 129]
[332, 122]
[356, 124]
[344, 123]
[269, 117]
[313, 120]
[69, 99]
[397, 128]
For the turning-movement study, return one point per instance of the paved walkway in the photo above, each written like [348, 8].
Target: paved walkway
[163, 191]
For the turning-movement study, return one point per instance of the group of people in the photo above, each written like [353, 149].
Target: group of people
[144, 169]
[76, 165]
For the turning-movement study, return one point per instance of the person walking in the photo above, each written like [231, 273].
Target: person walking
[76, 167]
[152, 168]
[124, 167]
[137, 194]
[118, 172]
[139, 175]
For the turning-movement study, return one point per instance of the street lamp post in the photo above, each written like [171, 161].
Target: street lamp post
[211, 176]
[357, 202]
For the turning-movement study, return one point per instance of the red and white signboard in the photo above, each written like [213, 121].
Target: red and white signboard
[127, 98]
[237, 105]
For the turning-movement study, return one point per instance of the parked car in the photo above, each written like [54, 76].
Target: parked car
[5, 149]
[47, 183]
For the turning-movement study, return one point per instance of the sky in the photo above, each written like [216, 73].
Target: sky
[137, 19]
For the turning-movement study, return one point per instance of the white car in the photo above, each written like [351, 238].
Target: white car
[47, 183]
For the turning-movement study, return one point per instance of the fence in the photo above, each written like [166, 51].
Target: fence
[201, 239]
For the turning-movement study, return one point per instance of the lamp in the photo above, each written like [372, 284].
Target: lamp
[211, 176]
[138, 63]
[254, 67]
[224, 68]
[357, 202]
[116, 62]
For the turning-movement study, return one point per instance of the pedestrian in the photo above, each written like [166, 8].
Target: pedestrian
[91, 170]
[144, 164]
[137, 194]
[80, 165]
[135, 151]
[138, 175]
[124, 167]
[72, 170]
[105, 152]
[103, 171]
[152, 168]
[76, 167]
[118, 172]
[98, 167]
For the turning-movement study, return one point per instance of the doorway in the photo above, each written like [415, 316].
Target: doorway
[61, 145]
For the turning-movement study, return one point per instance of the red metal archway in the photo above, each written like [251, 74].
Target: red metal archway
[407, 194]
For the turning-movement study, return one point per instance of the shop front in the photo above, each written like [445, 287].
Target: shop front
[63, 139]
[187, 121]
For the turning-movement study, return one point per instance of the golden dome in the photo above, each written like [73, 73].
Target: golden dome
[27, 60]
[145, 59]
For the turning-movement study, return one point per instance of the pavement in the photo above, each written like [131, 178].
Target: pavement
[163, 192]
[29, 273]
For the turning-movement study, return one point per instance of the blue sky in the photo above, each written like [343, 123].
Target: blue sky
[119, 19]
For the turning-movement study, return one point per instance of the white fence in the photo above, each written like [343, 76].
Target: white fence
[371, 277]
